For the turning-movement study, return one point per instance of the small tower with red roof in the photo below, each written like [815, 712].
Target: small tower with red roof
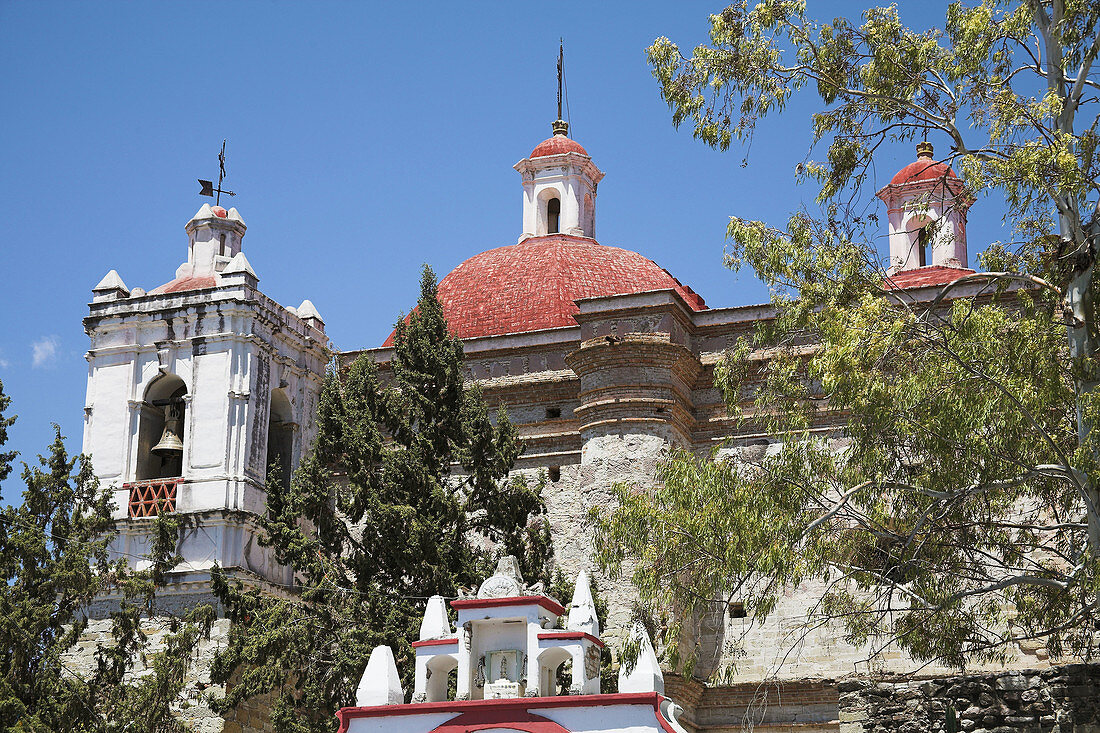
[926, 204]
[559, 187]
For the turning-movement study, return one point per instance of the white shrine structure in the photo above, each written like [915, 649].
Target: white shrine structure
[501, 660]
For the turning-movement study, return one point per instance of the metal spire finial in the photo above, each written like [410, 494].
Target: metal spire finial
[561, 62]
[560, 126]
[208, 186]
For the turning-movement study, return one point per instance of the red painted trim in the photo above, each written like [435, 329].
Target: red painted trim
[510, 719]
[574, 635]
[433, 642]
[492, 713]
[515, 703]
[548, 603]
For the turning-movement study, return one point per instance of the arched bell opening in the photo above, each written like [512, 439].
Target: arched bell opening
[280, 437]
[442, 678]
[549, 211]
[922, 230]
[553, 216]
[161, 429]
[589, 218]
[555, 672]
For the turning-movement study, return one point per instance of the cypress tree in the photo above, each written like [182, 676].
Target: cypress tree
[53, 563]
[404, 495]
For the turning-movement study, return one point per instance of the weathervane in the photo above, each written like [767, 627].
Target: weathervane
[208, 186]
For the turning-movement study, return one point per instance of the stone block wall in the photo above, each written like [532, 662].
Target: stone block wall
[191, 710]
[1063, 699]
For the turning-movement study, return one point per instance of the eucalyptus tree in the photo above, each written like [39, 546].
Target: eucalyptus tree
[938, 468]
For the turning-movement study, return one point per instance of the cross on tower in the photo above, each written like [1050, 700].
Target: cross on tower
[208, 186]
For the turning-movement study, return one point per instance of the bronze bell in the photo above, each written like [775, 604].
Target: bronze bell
[171, 440]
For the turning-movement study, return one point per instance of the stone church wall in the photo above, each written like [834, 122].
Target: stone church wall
[190, 710]
[1063, 699]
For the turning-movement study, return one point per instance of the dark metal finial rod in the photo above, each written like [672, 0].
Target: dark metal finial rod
[221, 173]
[561, 63]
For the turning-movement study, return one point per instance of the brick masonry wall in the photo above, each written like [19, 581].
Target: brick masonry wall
[773, 706]
[1063, 699]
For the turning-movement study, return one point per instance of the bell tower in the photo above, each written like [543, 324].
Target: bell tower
[926, 207]
[559, 187]
[559, 182]
[200, 391]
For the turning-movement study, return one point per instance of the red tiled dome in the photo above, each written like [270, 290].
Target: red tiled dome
[532, 285]
[922, 169]
[557, 145]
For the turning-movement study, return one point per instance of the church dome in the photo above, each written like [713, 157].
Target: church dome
[557, 145]
[924, 168]
[531, 286]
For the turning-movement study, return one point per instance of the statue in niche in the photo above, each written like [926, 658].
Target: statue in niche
[479, 676]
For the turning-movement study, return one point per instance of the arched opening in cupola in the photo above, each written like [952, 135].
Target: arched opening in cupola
[161, 429]
[553, 215]
[280, 437]
[924, 245]
[442, 678]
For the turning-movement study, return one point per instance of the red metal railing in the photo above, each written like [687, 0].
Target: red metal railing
[150, 498]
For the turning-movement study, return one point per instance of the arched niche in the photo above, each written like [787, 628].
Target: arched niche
[280, 436]
[163, 401]
[923, 228]
[442, 677]
[555, 663]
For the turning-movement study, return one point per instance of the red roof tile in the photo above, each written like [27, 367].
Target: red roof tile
[924, 276]
[557, 145]
[531, 286]
[922, 169]
[186, 283]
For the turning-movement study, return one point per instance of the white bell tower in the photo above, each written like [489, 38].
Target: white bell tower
[197, 389]
[926, 206]
[559, 188]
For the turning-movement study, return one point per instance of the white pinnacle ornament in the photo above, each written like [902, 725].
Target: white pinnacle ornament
[582, 610]
[646, 675]
[435, 625]
[380, 684]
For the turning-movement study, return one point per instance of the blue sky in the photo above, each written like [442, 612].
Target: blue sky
[364, 140]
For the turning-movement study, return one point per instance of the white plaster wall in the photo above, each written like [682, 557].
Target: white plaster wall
[949, 241]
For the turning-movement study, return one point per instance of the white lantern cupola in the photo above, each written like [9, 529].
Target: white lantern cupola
[559, 187]
[926, 206]
[213, 239]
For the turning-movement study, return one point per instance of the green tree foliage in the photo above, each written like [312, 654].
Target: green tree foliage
[936, 471]
[54, 561]
[403, 496]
